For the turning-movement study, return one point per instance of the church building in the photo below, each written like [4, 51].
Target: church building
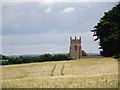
[75, 48]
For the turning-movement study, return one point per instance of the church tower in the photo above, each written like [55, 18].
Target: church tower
[75, 48]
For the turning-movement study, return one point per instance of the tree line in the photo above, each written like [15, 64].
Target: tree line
[41, 58]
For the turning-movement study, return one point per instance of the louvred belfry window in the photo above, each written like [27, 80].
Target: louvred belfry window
[75, 47]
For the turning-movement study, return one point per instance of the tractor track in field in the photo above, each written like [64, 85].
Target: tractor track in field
[53, 70]
[61, 70]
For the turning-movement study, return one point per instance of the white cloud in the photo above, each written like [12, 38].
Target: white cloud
[67, 10]
[48, 10]
[89, 6]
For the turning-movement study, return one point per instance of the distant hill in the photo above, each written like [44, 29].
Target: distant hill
[36, 55]
[93, 54]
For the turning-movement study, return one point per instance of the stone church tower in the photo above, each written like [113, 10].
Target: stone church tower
[75, 48]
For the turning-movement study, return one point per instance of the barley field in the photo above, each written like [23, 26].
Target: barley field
[80, 73]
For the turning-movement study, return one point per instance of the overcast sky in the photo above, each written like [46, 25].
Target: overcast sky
[38, 28]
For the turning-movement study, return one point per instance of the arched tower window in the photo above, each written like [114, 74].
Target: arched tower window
[75, 47]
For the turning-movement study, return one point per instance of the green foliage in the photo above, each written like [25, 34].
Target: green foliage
[84, 53]
[41, 58]
[26, 59]
[3, 57]
[12, 60]
[108, 32]
[45, 57]
[59, 57]
[19, 61]
[5, 63]
[35, 59]
[117, 57]
[68, 57]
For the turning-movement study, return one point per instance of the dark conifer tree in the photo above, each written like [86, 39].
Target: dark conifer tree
[108, 32]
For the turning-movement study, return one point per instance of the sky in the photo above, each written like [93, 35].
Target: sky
[46, 27]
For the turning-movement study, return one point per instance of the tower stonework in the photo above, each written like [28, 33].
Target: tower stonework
[75, 48]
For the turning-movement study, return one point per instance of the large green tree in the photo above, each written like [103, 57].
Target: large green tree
[108, 32]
